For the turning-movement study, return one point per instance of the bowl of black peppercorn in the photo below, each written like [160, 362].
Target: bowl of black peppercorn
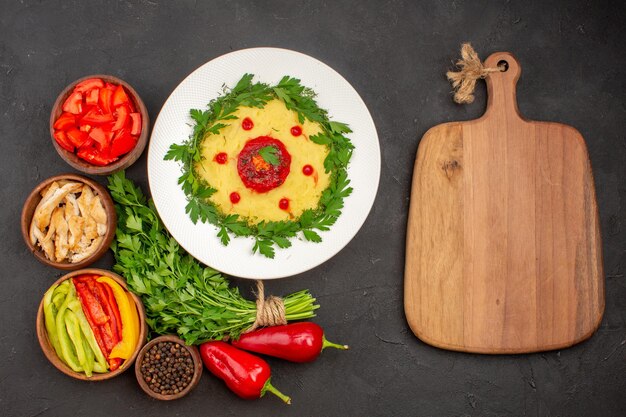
[167, 369]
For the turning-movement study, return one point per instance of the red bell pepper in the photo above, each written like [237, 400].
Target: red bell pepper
[246, 375]
[63, 141]
[100, 138]
[65, 121]
[74, 103]
[76, 137]
[89, 84]
[297, 342]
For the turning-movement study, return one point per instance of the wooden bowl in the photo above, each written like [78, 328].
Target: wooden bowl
[197, 363]
[125, 160]
[35, 197]
[48, 350]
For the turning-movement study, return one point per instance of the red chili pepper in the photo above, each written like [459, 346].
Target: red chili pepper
[246, 375]
[297, 342]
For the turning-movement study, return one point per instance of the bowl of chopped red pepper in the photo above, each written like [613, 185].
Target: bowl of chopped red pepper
[99, 125]
[89, 326]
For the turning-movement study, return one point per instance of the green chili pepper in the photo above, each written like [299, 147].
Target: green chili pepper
[89, 355]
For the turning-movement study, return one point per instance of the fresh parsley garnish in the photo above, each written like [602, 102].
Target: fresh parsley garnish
[269, 155]
[267, 235]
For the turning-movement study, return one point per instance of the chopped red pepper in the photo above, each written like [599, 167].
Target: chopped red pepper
[77, 137]
[122, 143]
[91, 98]
[94, 157]
[100, 138]
[93, 117]
[111, 310]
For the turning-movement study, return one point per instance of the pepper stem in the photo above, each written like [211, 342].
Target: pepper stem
[269, 387]
[326, 343]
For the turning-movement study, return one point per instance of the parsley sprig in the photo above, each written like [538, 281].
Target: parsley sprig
[269, 155]
[179, 294]
[267, 235]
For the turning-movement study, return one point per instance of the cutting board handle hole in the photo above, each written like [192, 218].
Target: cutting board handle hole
[503, 65]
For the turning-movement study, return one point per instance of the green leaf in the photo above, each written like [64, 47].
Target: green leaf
[311, 236]
[270, 154]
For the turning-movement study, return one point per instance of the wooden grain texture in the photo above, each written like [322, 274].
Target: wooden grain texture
[503, 251]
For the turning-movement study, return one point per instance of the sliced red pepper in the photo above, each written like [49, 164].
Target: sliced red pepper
[90, 304]
[74, 103]
[103, 298]
[63, 141]
[122, 143]
[65, 121]
[120, 97]
[76, 137]
[106, 100]
[136, 126]
[121, 118]
[91, 98]
[114, 363]
[94, 157]
[108, 338]
[110, 86]
[95, 118]
[89, 84]
[115, 311]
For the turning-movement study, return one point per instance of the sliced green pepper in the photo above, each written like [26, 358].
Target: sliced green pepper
[89, 356]
[68, 355]
[73, 330]
[49, 318]
[77, 308]
[99, 368]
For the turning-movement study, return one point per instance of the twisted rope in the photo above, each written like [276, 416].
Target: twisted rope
[270, 311]
[470, 70]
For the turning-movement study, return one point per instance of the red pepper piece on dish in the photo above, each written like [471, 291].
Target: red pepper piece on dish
[65, 121]
[114, 363]
[121, 118]
[122, 143]
[297, 342]
[89, 84]
[63, 141]
[94, 157]
[90, 303]
[74, 103]
[246, 375]
[100, 138]
[111, 310]
[135, 130]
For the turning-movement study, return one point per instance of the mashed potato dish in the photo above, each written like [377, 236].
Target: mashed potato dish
[263, 164]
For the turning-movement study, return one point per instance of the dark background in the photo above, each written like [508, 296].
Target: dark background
[395, 53]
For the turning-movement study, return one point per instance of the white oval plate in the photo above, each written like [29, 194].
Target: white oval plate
[173, 125]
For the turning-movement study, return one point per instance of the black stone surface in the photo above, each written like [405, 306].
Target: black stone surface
[395, 53]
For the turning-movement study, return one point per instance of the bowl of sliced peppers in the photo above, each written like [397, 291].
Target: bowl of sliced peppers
[99, 125]
[90, 326]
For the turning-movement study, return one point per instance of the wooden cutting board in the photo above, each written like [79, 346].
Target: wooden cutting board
[503, 251]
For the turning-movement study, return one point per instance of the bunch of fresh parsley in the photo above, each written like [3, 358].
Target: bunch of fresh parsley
[180, 295]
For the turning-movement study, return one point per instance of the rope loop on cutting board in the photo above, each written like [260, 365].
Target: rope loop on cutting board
[470, 70]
